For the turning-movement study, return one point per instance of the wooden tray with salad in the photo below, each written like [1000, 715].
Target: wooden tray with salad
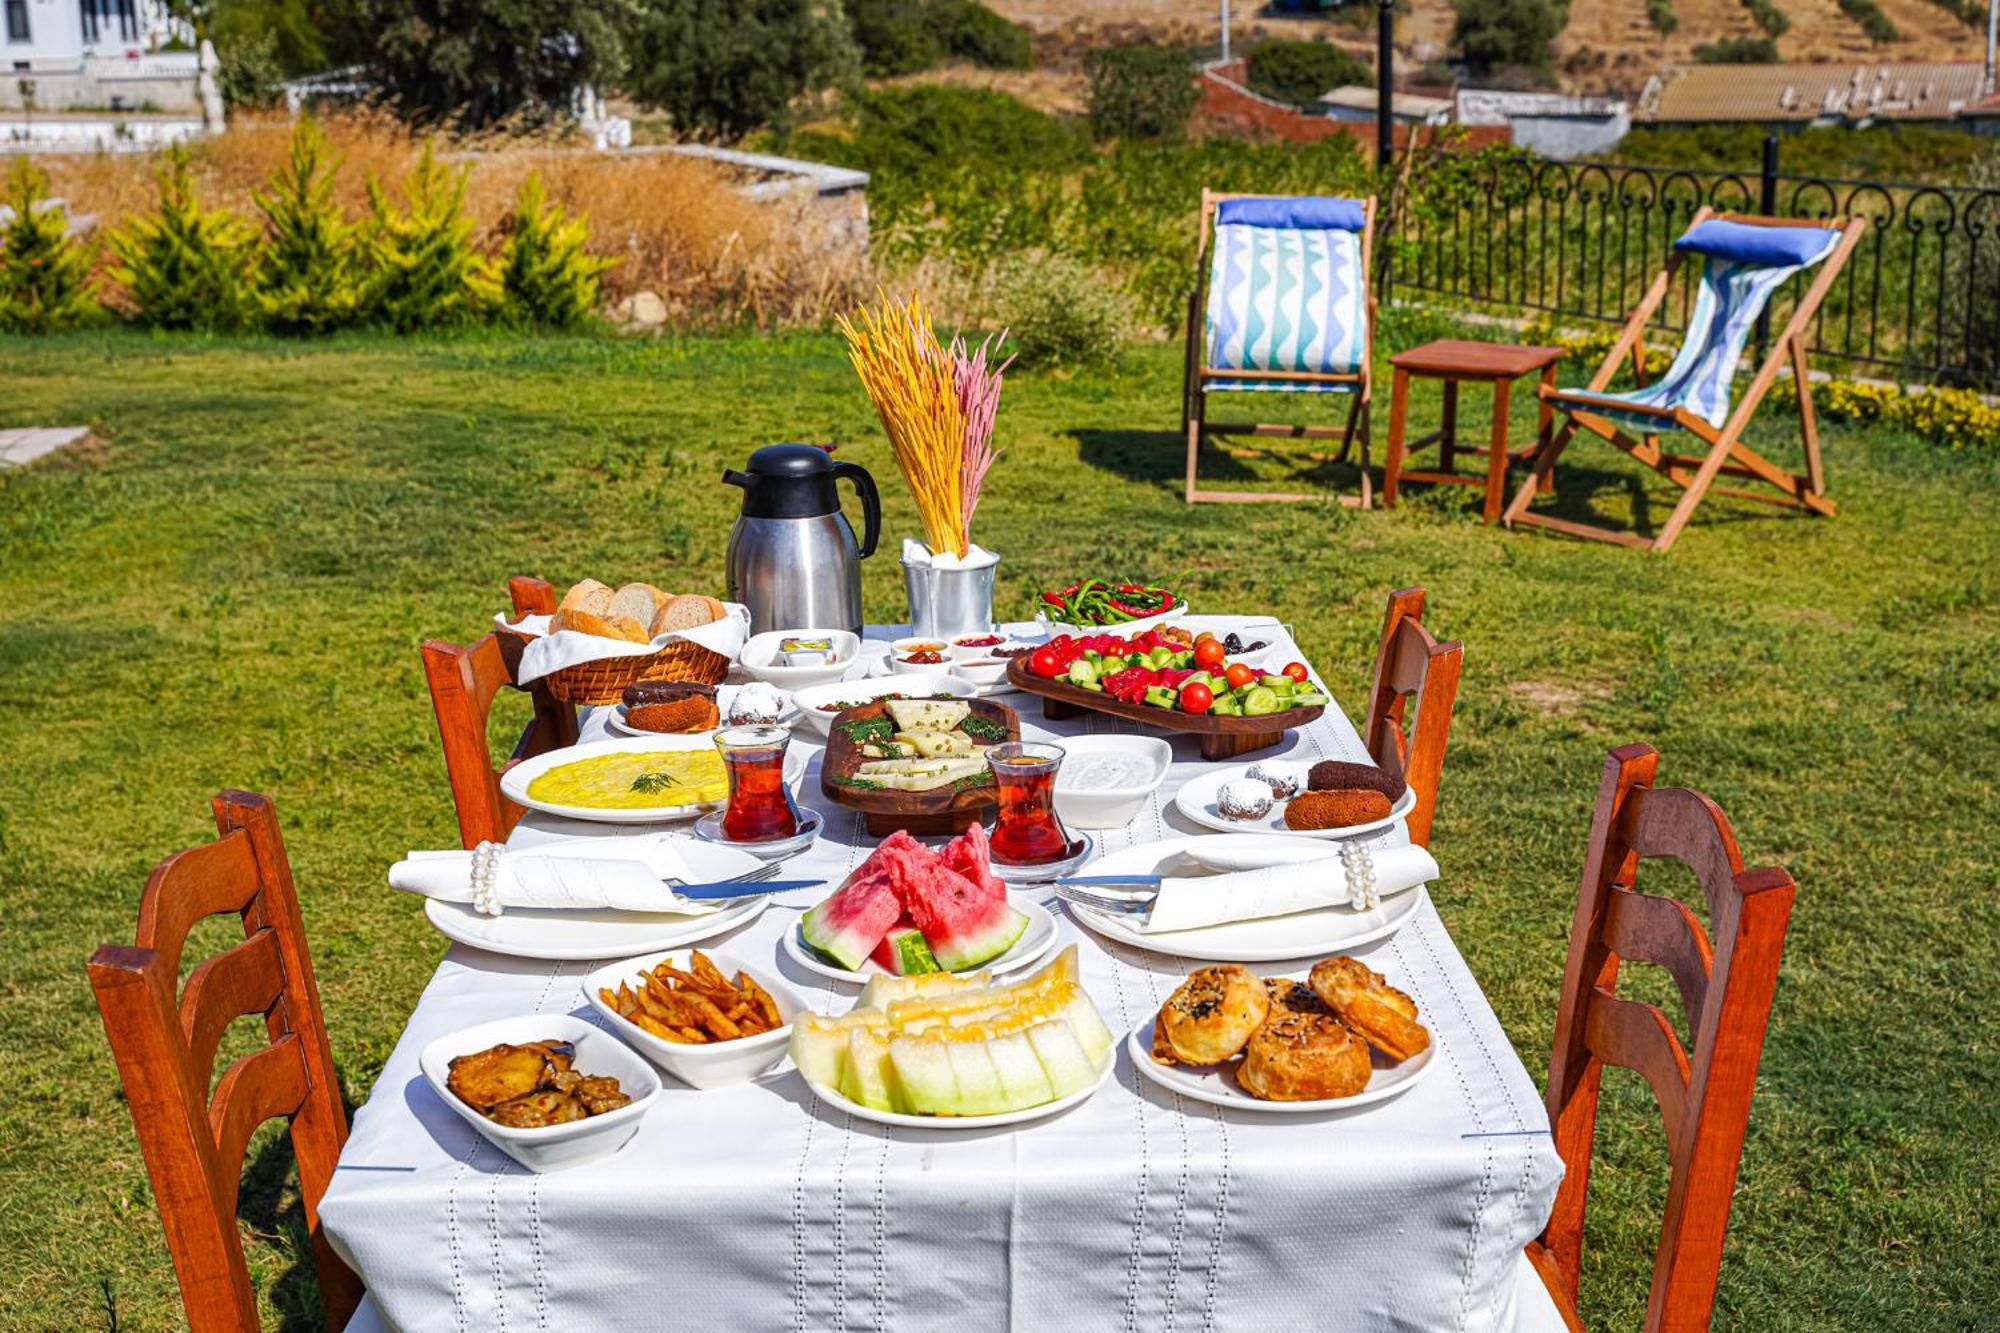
[1161, 679]
[916, 764]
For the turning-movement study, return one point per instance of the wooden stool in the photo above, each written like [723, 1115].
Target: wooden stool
[1453, 361]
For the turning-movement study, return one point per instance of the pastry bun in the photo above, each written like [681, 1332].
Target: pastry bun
[1363, 998]
[1212, 1014]
[1302, 1057]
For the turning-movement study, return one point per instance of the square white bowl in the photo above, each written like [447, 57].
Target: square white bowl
[713, 1064]
[551, 1147]
[1107, 807]
[759, 652]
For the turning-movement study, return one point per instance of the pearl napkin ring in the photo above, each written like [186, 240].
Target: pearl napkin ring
[1360, 867]
[485, 878]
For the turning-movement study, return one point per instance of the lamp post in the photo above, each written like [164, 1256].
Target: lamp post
[1225, 31]
[1385, 83]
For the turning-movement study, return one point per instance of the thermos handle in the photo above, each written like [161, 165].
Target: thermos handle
[871, 503]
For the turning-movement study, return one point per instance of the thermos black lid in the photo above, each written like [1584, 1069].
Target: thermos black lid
[787, 481]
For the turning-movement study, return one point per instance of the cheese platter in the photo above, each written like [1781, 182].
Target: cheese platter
[916, 763]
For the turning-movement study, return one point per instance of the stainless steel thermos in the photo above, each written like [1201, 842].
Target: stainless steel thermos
[793, 559]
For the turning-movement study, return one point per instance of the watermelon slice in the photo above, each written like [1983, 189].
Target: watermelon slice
[848, 926]
[971, 857]
[903, 952]
[964, 924]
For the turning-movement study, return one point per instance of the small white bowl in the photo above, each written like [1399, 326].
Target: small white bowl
[900, 648]
[1107, 807]
[850, 692]
[552, 1147]
[759, 652]
[713, 1064]
[962, 652]
[981, 670]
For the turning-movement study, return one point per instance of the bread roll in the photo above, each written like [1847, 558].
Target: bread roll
[589, 595]
[638, 601]
[1363, 998]
[686, 613]
[1301, 1057]
[604, 627]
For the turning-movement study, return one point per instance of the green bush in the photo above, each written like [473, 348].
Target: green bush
[248, 72]
[185, 266]
[547, 279]
[423, 270]
[1871, 18]
[310, 280]
[1141, 91]
[1300, 72]
[44, 273]
[1769, 17]
[728, 66]
[975, 34]
[1492, 34]
[1739, 51]
[1058, 312]
[904, 36]
[1660, 13]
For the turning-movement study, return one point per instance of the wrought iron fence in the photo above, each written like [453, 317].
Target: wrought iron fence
[1919, 298]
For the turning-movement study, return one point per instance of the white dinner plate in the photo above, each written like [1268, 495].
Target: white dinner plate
[1216, 1084]
[725, 695]
[1196, 800]
[514, 782]
[860, 1112]
[580, 935]
[1270, 939]
[1035, 941]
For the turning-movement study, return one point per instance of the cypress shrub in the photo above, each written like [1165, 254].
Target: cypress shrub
[185, 266]
[44, 273]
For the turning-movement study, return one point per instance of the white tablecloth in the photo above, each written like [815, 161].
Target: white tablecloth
[755, 1208]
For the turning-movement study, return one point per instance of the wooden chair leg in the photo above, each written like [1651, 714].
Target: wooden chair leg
[1545, 462]
[1392, 465]
[1697, 487]
[1808, 420]
[1545, 424]
[1195, 415]
[1448, 430]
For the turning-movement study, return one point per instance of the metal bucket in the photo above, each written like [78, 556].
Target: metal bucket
[947, 603]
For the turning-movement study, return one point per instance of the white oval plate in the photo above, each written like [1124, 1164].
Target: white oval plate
[1215, 1085]
[514, 782]
[1196, 800]
[860, 1112]
[789, 714]
[1270, 939]
[580, 935]
[1035, 941]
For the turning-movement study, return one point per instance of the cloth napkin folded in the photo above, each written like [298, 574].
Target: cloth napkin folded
[622, 873]
[545, 652]
[1261, 882]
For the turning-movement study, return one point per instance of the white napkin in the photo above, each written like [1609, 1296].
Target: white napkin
[1279, 884]
[975, 557]
[545, 652]
[621, 873]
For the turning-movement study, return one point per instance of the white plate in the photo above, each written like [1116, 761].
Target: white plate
[712, 1064]
[724, 694]
[854, 692]
[1216, 1084]
[1035, 941]
[1196, 800]
[860, 1112]
[1268, 939]
[568, 935]
[755, 659]
[1028, 876]
[514, 782]
[1124, 628]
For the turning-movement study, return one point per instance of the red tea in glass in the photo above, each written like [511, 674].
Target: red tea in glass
[1026, 831]
[760, 805]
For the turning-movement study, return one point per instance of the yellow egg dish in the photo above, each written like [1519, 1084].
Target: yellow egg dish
[635, 780]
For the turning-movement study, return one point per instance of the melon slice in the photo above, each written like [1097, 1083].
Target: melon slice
[848, 926]
[923, 1070]
[1062, 1057]
[979, 1088]
[868, 1076]
[903, 952]
[881, 992]
[1023, 1080]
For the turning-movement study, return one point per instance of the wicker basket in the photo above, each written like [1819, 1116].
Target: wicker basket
[604, 681]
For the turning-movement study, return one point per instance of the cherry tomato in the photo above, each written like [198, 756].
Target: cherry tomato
[1045, 661]
[1239, 675]
[1208, 653]
[1297, 671]
[1196, 697]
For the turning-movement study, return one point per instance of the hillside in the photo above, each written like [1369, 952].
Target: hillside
[1608, 46]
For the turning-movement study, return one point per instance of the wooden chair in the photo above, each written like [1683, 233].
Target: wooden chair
[165, 1045]
[1693, 395]
[464, 680]
[1726, 977]
[1409, 705]
[1298, 268]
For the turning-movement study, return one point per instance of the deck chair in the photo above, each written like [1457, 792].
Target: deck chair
[1744, 262]
[1282, 306]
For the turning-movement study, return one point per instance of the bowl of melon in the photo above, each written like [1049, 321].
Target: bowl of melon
[943, 1051]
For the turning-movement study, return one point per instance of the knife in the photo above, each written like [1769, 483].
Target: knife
[1109, 882]
[736, 888]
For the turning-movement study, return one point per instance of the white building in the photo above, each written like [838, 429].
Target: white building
[55, 35]
[92, 75]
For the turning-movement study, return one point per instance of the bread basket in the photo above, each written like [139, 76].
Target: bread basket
[604, 681]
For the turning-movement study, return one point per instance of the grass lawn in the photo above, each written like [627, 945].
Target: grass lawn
[230, 589]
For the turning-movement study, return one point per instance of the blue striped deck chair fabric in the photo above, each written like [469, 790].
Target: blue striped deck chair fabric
[1287, 291]
[1743, 266]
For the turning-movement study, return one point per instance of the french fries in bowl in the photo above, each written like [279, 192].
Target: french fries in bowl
[707, 1021]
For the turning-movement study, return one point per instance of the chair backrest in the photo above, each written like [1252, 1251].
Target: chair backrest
[464, 680]
[1409, 706]
[1287, 287]
[1726, 977]
[165, 1045]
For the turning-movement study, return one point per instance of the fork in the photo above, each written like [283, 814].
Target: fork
[1104, 902]
[765, 871]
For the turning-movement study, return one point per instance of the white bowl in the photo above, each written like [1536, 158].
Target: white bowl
[960, 652]
[981, 671]
[1126, 628]
[863, 691]
[937, 643]
[714, 1064]
[1107, 807]
[551, 1147]
[762, 648]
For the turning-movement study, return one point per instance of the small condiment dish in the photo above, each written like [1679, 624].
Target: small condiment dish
[963, 651]
[901, 650]
[699, 1065]
[981, 670]
[760, 657]
[851, 692]
[552, 1147]
[1082, 803]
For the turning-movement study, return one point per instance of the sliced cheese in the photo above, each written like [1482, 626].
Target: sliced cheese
[927, 714]
[932, 744]
[920, 774]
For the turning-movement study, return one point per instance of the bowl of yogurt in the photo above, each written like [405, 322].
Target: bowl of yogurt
[1105, 781]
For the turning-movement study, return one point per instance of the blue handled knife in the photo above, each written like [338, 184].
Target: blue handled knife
[736, 888]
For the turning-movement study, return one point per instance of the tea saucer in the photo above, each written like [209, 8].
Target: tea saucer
[709, 829]
[1044, 871]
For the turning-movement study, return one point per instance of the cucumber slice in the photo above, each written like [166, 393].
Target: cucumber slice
[1309, 699]
[1261, 701]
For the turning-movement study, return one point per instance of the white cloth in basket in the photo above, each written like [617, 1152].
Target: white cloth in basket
[546, 653]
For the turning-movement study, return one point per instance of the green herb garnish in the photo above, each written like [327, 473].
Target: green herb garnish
[861, 730]
[649, 783]
[983, 728]
[864, 784]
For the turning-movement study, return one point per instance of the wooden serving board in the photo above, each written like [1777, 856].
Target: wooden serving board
[920, 812]
[1221, 737]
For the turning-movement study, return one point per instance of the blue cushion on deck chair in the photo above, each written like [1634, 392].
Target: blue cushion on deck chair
[1746, 243]
[1300, 212]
